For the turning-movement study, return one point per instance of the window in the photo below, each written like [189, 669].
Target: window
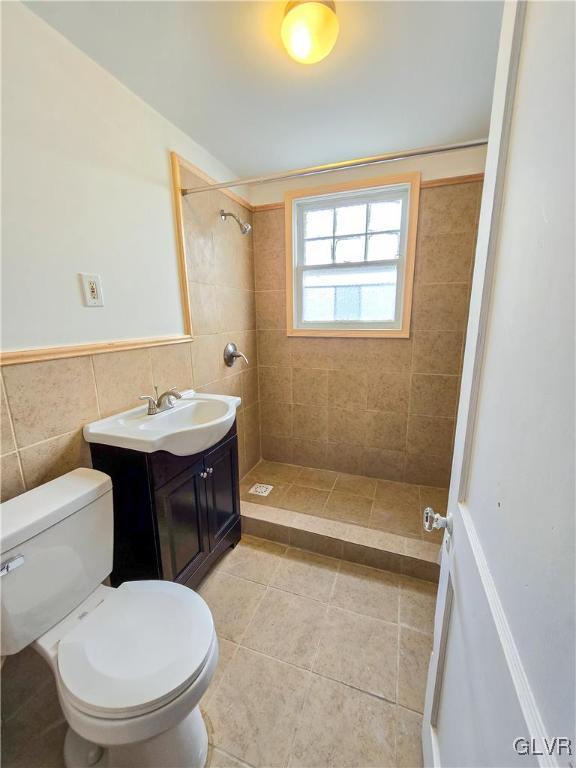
[351, 258]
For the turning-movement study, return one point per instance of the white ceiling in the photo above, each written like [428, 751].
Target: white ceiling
[402, 74]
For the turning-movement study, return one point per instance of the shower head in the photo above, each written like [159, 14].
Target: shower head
[244, 226]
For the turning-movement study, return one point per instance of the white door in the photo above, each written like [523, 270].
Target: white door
[501, 682]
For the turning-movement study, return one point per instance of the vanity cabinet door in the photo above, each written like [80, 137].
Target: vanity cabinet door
[221, 466]
[181, 509]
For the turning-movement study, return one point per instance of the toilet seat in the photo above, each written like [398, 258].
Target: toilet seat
[137, 650]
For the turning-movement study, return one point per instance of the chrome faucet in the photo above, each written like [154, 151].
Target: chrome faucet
[162, 402]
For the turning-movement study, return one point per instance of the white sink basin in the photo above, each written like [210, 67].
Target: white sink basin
[196, 423]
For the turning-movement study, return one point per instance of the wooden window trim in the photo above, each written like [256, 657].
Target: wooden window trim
[413, 179]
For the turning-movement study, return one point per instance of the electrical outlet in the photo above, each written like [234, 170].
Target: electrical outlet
[92, 289]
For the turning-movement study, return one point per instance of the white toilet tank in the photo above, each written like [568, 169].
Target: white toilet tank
[57, 543]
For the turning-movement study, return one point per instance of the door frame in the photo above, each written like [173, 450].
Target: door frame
[509, 55]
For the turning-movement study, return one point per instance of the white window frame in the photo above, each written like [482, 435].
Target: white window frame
[375, 190]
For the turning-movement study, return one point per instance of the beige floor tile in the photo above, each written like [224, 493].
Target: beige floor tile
[254, 712]
[307, 574]
[408, 739]
[341, 726]
[219, 759]
[300, 499]
[367, 591]
[357, 485]
[274, 472]
[348, 507]
[286, 626]
[274, 497]
[417, 604]
[398, 520]
[393, 495]
[233, 602]
[321, 479]
[253, 559]
[226, 652]
[415, 649]
[360, 651]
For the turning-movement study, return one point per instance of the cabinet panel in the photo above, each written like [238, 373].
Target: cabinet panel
[181, 507]
[223, 501]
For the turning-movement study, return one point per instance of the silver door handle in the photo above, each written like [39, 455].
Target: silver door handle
[432, 520]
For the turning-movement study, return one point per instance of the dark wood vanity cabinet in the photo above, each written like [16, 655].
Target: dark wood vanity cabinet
[174, 516]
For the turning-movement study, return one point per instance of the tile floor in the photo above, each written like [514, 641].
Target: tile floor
[322, 663]
[382, 505]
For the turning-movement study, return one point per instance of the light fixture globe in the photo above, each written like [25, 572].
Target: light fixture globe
[309, 30]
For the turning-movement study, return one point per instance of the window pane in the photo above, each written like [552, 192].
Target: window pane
[378, 303]
[360, 295]
[347, 303]
[385, 246]
[318, 251]
[319, 223]
[351, 220]
[385, 216]
[349, 249]
[318, 305]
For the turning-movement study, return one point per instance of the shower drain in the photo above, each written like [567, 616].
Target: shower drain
[260, 489]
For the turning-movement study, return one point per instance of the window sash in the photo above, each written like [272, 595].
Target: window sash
[333, 201]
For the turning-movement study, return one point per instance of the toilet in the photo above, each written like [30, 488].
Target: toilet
[132, 663]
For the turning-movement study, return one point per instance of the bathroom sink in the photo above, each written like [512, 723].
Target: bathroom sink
[195, 423]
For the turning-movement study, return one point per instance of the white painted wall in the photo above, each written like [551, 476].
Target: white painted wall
[86, 188]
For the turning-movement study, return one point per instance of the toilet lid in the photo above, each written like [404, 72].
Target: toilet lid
[137, 650]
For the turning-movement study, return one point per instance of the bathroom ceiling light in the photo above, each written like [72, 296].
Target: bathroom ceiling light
[309, 29]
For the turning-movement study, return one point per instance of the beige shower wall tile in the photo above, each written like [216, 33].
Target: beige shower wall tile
[172, 367]
[388, 391]
[309, 422]
[271, 310]
[249, 380]
[206, 354]
[310, 453]
[440, 307]
[386, 430]
[238, 310]
[55, 457]
[309, 386]
[437, 351]
[449, 209]
[205, 308]
[445, 258]
[11, 481]
[434, 395]
[251, 436]
[274, 348]
[431, 435]
[269, 259]
[50, 398]
[343, 457]
[347, 389]
[7, 444]
[347, 426]
[428, 469]
[275, 383]
[121, 377]
[276, 419]
[277, 448]
[384, 464]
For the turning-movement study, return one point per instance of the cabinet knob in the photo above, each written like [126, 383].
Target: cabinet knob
[203, 475]
[210, 470]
